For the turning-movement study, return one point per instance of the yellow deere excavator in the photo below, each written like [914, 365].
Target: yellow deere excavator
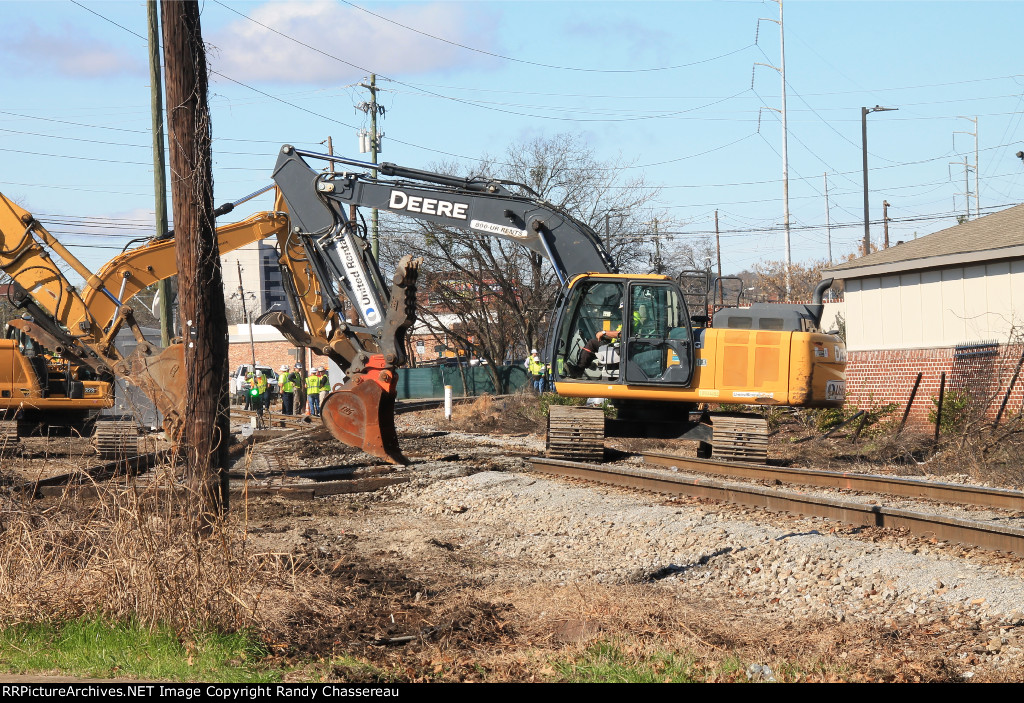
[625, 337]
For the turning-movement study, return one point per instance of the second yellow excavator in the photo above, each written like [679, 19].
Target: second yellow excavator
[59, 361]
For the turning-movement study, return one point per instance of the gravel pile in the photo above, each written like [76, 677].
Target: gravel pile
[811, 569]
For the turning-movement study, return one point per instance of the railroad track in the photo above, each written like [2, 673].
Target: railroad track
[870, 483]
[942, 528]
[401, 406]
[278, 419]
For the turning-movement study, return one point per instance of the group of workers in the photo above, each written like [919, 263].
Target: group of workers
[293, 389]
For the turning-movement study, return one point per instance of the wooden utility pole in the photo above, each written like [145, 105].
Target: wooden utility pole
[718, 255]
[657, 249]
[201, 287]
[372, 108]
[164, 287]
[828, 222]
[885, 222]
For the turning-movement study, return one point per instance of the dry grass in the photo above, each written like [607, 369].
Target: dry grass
[519, 412]
[127, 554]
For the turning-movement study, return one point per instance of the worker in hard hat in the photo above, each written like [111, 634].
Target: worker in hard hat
[287, 388]
[313, 391]
[535, 368]
[299, 378]
[250, 382]
[259, 399]
[325, 387]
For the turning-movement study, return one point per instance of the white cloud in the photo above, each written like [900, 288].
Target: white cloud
[66, 51]
[247, 51]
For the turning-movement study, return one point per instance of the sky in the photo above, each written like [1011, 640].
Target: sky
[686, 94]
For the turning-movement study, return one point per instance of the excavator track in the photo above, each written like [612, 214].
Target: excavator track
[9, 442]
[116, 439]
[575, 433]
[740, 438]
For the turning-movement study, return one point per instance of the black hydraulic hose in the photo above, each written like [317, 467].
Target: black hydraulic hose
[819, 290]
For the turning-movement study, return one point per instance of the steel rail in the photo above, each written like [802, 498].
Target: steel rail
[280, 418]
[871, 483]
[979, 534]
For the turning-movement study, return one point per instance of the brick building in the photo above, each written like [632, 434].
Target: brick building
[952, 301]
[272, 350]
[427, 346]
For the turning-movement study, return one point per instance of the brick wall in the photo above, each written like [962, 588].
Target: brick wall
[875, 378]
[272, 354]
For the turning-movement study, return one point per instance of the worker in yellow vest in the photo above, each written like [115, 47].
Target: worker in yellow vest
[260, 400]
[325, 387]
[250, 381]
[313, 392]
[287, 388]
[535, 368]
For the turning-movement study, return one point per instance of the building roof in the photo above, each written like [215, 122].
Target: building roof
[238, 334]
[999, 235]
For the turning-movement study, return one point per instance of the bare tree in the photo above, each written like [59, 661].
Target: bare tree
[769, 280]
[502, 293]
[689, 254]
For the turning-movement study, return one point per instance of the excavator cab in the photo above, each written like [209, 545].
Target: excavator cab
[655, 340]
[659, 342]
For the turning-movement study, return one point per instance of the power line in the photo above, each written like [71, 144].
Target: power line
[535, 63]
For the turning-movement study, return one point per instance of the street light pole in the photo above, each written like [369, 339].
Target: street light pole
[864, 144]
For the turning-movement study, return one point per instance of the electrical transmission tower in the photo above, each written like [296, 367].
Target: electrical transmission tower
[781, 68]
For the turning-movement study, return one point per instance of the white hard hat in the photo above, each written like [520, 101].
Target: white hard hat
[258, 372]
[284, 367]
[533, 351]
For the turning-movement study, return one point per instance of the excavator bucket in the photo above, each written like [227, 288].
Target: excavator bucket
[361, 413]
[160, 375]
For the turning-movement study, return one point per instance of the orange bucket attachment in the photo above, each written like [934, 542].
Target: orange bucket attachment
[361, 413]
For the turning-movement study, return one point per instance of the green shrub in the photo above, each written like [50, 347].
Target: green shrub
[956, 407]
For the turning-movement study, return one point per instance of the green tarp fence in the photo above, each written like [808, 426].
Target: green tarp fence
[429, 382]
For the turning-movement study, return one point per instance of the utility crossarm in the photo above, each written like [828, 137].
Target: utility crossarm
[315, 203]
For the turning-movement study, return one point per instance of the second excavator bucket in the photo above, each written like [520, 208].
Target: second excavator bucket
[361, 413]
[160, 375]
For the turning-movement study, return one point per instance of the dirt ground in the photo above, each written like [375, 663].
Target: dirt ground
[397, 584]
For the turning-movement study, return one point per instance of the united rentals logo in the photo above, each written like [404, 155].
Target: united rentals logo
[357, 280]
[427, 206]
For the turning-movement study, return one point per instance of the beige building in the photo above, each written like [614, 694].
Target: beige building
[950, 301]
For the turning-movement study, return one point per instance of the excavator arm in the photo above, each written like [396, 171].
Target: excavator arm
[81, 324]
[317, 200]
